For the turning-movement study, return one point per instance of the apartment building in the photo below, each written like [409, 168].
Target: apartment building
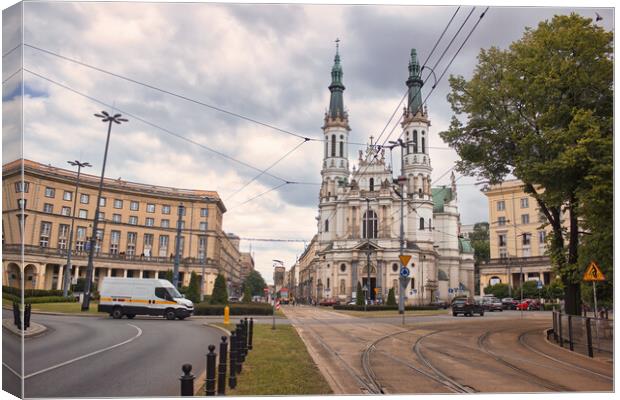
[136, 234]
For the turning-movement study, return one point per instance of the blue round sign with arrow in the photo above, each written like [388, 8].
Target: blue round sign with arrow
[404, 272]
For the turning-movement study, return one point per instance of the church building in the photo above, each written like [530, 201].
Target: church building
[359, 216]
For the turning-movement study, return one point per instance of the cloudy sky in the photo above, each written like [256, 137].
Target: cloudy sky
[270, 63]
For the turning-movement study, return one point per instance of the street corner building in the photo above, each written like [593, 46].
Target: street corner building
[359, 216]
[136, 233]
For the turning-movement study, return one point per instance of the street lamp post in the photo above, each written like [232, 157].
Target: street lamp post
[105, 117]
[177, 251]
[273, 324]
[401, 182]
[204, 263]
[67, 280]
[369, 227]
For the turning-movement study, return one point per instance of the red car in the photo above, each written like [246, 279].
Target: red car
[328, 302]
[528, 305]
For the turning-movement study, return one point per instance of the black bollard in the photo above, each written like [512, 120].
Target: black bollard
[247, 335]
[221, 372]
[210, 381]
[16, 316]
[232, 376]
[187, 381]
[244, 325]
[239, 352]
[27, 313]
[251, 333]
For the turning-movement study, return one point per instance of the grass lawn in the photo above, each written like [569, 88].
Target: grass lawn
[73, 308]
[278, 364]
[391, 313]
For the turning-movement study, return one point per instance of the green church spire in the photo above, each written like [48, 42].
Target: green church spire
[414, 83]
[336, 103]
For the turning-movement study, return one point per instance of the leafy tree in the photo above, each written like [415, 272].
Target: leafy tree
[247, 295]
[256, 283]
[220, 293]
[542, 111]
[193, 290]
[480, 242]
[359, 300]
[499, 290]
[553, 290]
[391, 298]
[530, 290]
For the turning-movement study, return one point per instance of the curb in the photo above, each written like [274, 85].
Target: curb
[36, 329]
[546, 338]
[203, 377]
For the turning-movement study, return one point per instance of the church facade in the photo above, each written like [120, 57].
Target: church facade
[359, 214]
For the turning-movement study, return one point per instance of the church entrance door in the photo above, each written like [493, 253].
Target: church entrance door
[373, 285]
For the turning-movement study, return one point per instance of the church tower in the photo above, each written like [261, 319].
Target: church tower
[335, 171]
[417, 162]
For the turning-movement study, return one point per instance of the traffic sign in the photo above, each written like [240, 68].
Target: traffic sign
[593, 273]
[404, 260]
[450, 290]
[539, 285]
[404, 272]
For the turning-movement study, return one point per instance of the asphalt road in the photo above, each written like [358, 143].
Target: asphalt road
[103, 357]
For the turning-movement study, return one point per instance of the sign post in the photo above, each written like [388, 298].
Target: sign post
[404, 275]
[594, 274]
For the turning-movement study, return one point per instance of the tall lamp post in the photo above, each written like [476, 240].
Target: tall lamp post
[67, 280]
[401, 183]
[105, 117]
[275, 264]
[204, 262]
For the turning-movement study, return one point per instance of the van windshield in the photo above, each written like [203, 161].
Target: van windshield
[174, 292]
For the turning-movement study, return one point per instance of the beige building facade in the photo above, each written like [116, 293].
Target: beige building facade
[136, 233]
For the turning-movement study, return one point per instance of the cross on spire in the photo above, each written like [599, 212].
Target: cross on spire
[337, 44]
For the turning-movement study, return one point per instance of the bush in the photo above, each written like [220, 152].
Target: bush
[499, 290]
[193, 291]
[549, 306]
[11, 297]
[247, 295]
[219, 294]
[391, 299]
[79, 286]
[235, 309]
[359, 299]
[50, 299]
[30, 292]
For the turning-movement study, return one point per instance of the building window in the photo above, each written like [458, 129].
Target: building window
[181, 224]
[83, 213]
[131, 243]
[134, 206]
[372, 184]
[204, 212]
[542, 237]
[118, 203]
[67, 196]
[501, 221]
[116, 218]
[202, 245]
[80, 238]
[203, 226]
[423, 143]
[165, 223]
[133, 220]
[149, 221]
[326, 225]
[181, 210]
[165, 209]
[66, 211]
[421, 223]
[50, 192]
[525, 218]
[415, 141]
[101, 216]
[44, 237]
[99, 241]
[394, 267]
[84, 198]
[341, 149]
[525, 202]
[63, 235]
[150, 208]
[148, 244]
[333, 145]
[48, 208]
[527, 239]
[494, 280]
[328, 283]
[343, 267]
[502, 239]
[115, 238]
[503, 253]
[369, 228]
[22, 186]
[501, 205]
[102, 201]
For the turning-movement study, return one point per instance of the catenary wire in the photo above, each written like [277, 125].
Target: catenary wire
[12, 50]
[12, 75]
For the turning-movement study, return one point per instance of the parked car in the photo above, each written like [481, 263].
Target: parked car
[467, 307]
[328, 302]
[529, 305]
[440, 304]
[492, 304]
[509, 303]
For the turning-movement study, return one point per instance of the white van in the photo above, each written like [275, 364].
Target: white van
[133, 296]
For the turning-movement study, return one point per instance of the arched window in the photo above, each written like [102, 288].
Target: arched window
[420, 192]
[343, 267]
[372, 184]
[421, 223]
[407, 142]
[328, 283]
[415, 141]
[423, 146]
[394, 267]
[369, 228]
[333, 145]
[326, 225]
[341, 149]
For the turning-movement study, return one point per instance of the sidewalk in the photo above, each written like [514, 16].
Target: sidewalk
[34, 329]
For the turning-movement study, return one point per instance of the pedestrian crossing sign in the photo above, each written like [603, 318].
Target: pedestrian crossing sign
[593, 273]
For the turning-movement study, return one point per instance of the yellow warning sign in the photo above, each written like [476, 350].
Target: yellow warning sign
[593, 273]
[404, 260]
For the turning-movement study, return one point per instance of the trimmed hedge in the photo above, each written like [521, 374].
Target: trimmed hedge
[549, 306]
[11, 297]
[235, 309]
[374, 307]
[50, 299]
[31, 292]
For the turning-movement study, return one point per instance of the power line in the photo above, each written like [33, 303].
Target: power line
[261, 194]
[168, 92]
[12, 75]
[12, 50]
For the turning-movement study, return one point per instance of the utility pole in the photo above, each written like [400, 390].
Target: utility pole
[401, 182]
[177, 251]
[369, 227]
[105, 117]
[67, 280]
[204, 262]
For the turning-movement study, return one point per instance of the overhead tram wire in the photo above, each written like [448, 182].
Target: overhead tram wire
[169, 132]
[12, 50]
[261, 194]
[12, 75]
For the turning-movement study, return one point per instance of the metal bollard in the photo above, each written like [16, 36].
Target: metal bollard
[555, 327]
[221, 372]
[251, 333]
[589, 337]
[560, 329]
[246, 325]
[570, 332]
[27, 313]
[245, 336]
[187, 381]
[240, 353]
[232, 376]
[17, 316]
[242, 340]
[210, 381]
[239, 359]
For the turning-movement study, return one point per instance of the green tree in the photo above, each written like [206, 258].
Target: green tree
[499, 290]
[530, 290]
[169, 276]
[220, 293]
[391, 298]
[553, 290]
[247, 295]
[193, 290]
[542, 111]
[256, 283]
[359, 300]
[480, 242]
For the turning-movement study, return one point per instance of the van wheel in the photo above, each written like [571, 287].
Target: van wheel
[130, 316]
[455, 314]
[482, 314]
[117, 313]
[170, 314]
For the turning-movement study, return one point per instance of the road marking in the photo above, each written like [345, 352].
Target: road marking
[62, 364]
